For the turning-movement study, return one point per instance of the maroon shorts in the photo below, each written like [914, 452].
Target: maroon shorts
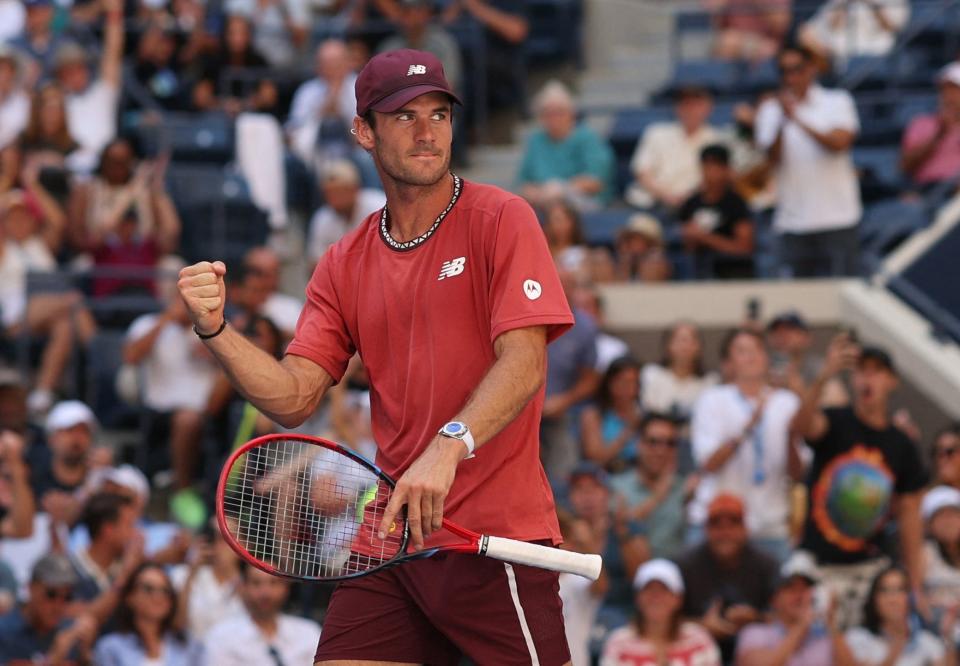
[433, 611]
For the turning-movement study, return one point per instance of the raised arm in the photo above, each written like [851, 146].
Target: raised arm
[810, 422]
[286, 391]
[111, 61]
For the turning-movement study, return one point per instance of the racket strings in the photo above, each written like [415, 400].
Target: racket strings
[308, 511]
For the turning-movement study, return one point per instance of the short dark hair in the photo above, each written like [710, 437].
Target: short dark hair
[804, 52]
[716, 153]
[655, 417]
[102, 509]
[736, 333]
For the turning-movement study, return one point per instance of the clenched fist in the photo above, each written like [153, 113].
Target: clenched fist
[204, 294]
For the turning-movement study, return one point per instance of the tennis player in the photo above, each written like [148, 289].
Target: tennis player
[450, 296]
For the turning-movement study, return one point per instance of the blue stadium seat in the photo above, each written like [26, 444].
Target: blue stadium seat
[887, 223]
[909, 106]
[555, 30]
[715, 75]
[760, 77]
[105, 356]
[879, 170]
[189, 137]
[601, 227]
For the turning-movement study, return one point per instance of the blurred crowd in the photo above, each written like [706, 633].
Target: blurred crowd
[770, 509]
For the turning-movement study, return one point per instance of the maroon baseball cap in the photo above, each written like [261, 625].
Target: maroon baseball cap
[393, 78]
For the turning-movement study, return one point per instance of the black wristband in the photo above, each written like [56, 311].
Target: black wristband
[212, 335]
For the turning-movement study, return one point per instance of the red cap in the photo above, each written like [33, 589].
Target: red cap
[393, 78]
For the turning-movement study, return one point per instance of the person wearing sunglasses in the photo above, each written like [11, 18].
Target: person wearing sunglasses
[654, 491]
[40, 630]
[148, 631]
[946, 456]
[807, 132]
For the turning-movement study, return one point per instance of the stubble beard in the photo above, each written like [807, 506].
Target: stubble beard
[402, 174]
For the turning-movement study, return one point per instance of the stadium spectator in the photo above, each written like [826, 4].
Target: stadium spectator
[323, 108]
[565, 239]
[673, 385]
[889, 633]
[92, 101]
[864, 470]
[505, 28]
[124, 190]
[658, 634]
[940, 510]
[418, 29]
[280, 27]
[571, 379]
[31, 232]
[842, 29]
[114, 553]
[639, 251]
[345, 205]
[38, 41]
[177, 375]
[263, 264]
[665, 164]
[17, 503]
[610, 427]
[262, 635]
[563, 158]
[717, 225]
[609, 346]
[40, 631]
[946, 456]
[147, 625]
[157, 66]
[749, 29]
[618, 539]
[208, 584]
[225, 77]
[741, 440]
[656, 493]
[14, 101]
[729, 582]
[61, 468]
[797, 633]
[47, 140]
[581, 596]
[930, 153]
[807, 132]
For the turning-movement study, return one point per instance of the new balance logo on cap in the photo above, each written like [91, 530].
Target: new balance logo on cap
[416, 69]
[452, 268]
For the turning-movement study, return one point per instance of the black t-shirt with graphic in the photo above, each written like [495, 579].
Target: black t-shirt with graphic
[720, 217]
[856, 473]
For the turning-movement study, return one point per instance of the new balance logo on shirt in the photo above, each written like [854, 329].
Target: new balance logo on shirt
[416, 69]
[452, 268]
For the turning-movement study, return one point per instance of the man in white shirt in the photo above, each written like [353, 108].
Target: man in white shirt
[92, 102]
[262, 635]
[328, 96]
[345, 206]
[741, 441]
[807, 132]
[841, 28]
[14, 102]
[666, 162]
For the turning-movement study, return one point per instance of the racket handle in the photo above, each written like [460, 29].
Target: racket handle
[545, 557]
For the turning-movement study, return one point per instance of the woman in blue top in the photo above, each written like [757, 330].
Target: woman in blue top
[610, 427]
[147, 634]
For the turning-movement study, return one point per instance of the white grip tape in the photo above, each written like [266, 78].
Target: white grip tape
[545, 557]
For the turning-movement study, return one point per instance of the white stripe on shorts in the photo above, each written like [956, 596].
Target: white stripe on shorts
[528, 639]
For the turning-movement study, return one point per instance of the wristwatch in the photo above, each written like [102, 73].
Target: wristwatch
[458, 430]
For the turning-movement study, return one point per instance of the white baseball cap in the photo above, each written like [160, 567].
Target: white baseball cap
[69, 413]
[661, 571]
[800, 564]
[941, 497]
[950, 74]
[126, 476]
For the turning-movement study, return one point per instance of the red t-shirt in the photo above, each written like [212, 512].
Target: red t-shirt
[424, 321]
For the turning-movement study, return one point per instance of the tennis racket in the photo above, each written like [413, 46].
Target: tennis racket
[308, 509]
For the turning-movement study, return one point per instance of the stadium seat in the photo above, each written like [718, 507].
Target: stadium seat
[888, 223]
[188, 137]
[715, 75]
[879, 171]
[601, 227]
[555, 30]
[105, 357]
